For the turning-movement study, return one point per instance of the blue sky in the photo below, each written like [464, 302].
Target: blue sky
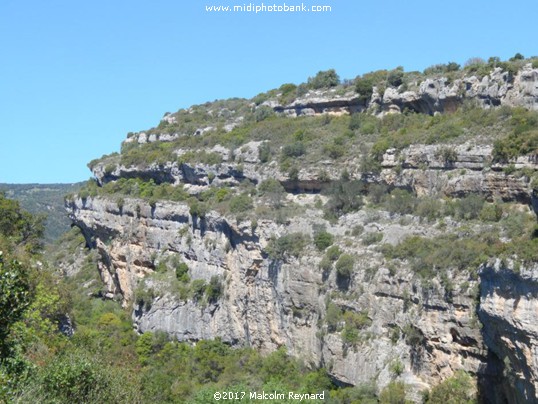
[76, 76]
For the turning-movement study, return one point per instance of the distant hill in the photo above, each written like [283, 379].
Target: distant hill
[47, 199]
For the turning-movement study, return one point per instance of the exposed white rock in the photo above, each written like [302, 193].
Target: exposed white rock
[268, 304]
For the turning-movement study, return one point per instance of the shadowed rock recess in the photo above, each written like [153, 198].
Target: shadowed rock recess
[212, 224]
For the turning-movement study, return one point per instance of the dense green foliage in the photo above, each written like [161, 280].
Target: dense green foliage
[323, 239]
[14, 294]
[344, 265]
[522, 139]
[458, 389]
[324, 79]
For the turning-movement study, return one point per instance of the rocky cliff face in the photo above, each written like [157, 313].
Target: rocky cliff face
[508, 307]
[432, 95]
[381, 323]
[456, 171]
[268, 303]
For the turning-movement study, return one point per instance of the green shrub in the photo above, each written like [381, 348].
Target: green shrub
[491, 212]
[109, 168]
[296, 149]
[263, 112]
[324, 79]
[442, 68]
[429, 255]
[456, 389]
[198, 287]
[395, 77]
[469, 207]
[293, 174]
[241, 203]
[333, 316]
[357, 230]
[148, 153]
[413, 336]
[344, 265]
[365, 83]
[120, 202]
[372, 238]
[197, 208]
[447, 154]
[272, 191]
[429, 208]
[213, 290]
[396, 368]
[264, 152]
[144, 297]
[401, 201]
[182, 273]
[353, 323]
[344, 197]
[364, 122]
[325, 264]
[161, 267]
[378, 193]
[152, 202]
[77, 376]
[200, 157]
[333, 253]
[522, 140]
[394, 393]
[363, 393]
[322, 240]
[288, 93]
[334, 150]
[291, 244]
[260, 98]
[15, 291]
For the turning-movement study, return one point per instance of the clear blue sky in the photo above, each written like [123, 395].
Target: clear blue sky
[76, 76]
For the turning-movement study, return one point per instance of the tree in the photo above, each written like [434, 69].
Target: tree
[394, 393]
[345, 196]
[20, 227]
[517, 56]
[324, 79]
[263, 112]
[291, 244]
[241, 203]
[395, 77]
[15, 296]
[364, 84]
[456, 389]
[474, 61]
[271, 190]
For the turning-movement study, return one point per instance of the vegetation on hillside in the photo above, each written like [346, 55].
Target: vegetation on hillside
[44, 199]
[104, 360]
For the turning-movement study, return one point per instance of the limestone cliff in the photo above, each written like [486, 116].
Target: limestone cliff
[428, 96]
[384, 319]
[267, 304]
[508, 307]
